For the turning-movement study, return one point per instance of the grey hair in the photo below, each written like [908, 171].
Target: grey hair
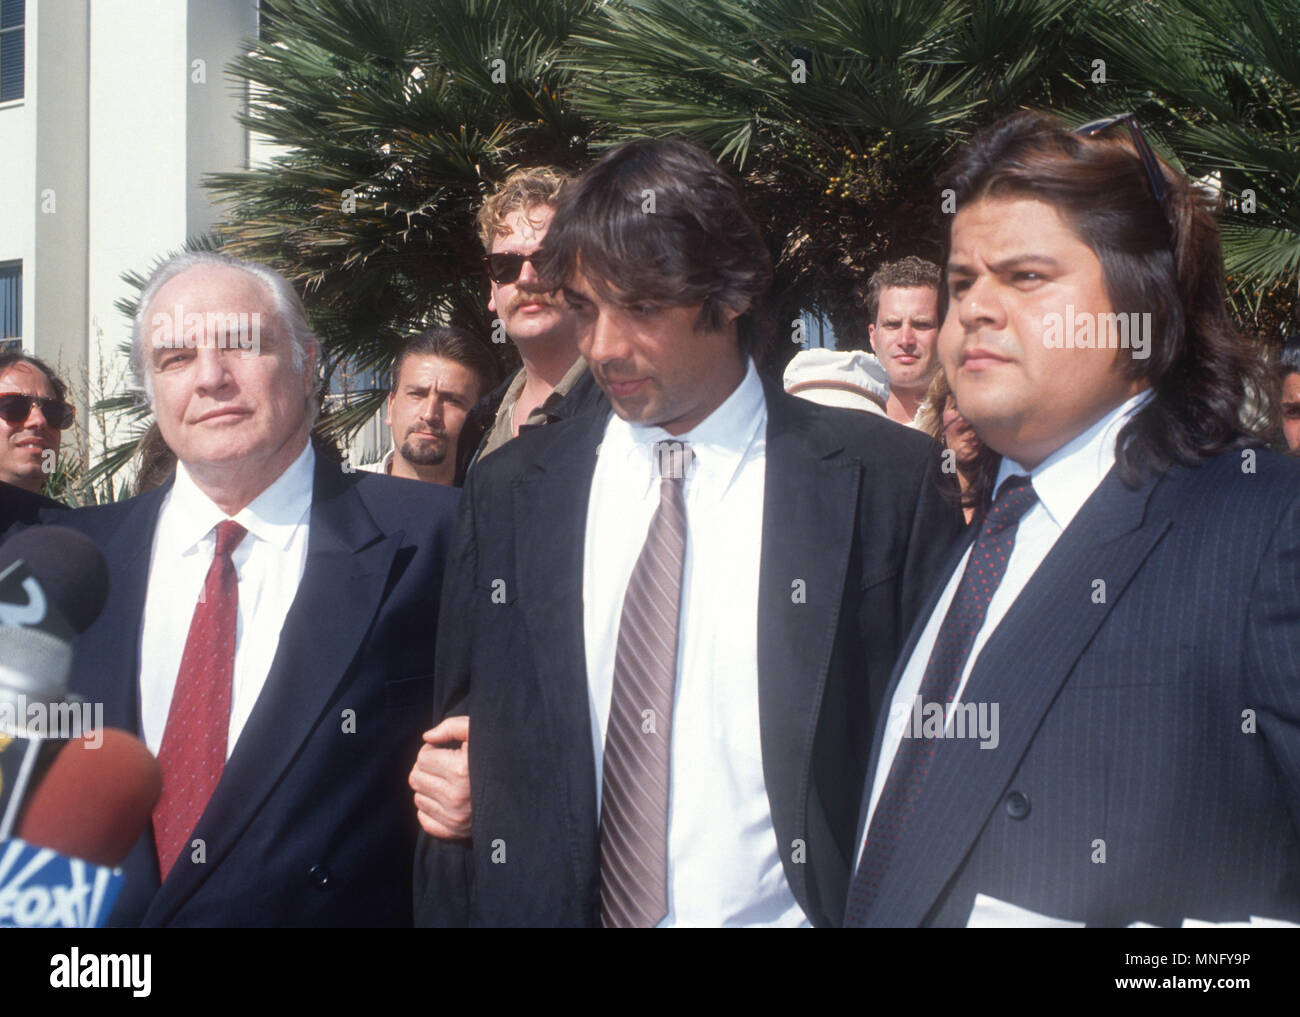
[287, 305]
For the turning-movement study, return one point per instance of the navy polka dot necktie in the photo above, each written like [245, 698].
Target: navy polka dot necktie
[984, 571]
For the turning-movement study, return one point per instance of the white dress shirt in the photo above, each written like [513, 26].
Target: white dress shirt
[269, 562]
[724, 865]
[1063, 482]
[384, 465]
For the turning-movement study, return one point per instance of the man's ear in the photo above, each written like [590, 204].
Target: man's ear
[871, 333]
[388, 417]
[311, 353]
[715, 315]
[492, 300]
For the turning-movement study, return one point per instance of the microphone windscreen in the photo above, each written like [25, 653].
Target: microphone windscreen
[69, 566]
[94, 803]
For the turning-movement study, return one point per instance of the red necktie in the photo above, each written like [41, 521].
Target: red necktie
[193, 751]
[970, 604]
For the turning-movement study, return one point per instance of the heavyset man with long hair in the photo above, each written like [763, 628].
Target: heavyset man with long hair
[1127, 612]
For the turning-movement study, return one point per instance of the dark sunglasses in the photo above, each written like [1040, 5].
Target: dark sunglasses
[1155, 178]
[504, 268]
[15, 407]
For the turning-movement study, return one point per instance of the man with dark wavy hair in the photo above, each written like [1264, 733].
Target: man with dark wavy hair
[674, 614]
[1097, 719]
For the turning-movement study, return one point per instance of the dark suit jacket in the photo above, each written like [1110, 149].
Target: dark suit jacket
[851, 517]
[310, 825]
[1123, 733]
[19, 507]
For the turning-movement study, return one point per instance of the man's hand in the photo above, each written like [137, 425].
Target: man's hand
[440, 780]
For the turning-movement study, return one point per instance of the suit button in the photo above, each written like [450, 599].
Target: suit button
[320, 877]
[1017, 805]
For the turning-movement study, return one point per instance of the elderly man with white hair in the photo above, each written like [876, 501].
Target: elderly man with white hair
[269, 631]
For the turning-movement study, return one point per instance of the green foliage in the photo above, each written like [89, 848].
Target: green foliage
[835, 115]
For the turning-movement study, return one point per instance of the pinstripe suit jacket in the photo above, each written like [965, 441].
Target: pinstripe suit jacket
[1148, 766]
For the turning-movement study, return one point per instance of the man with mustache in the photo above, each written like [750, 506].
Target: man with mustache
[553, 381]
[512, 225]
[436, 380]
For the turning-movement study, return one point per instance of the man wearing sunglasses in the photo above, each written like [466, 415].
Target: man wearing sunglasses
[1097, 719]
[33, 413]
[512, 225]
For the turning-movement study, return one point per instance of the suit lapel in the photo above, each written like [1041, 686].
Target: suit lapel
[914, 637]
[1021, 668]
[116, 669]
[349, 560]
[128, 552]
[810, 506]
[550, 520]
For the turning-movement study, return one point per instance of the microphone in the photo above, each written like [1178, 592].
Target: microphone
[94, 803]
[78, 795]
[77, 827]
[53, 585]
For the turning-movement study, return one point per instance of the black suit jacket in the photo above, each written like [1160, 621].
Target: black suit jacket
[851, 519]
[311, 823]
[1148, 762]
[19, 507]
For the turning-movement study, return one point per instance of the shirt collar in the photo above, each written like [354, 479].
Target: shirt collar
[719, 442]
[570, 379]
[1066, 479]
[271, 516]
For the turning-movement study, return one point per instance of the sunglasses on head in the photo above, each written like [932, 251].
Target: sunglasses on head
[1155, 178]
[504, 268]
[15, 407]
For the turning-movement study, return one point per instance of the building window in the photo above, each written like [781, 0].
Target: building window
[265, 31]
[11, 303]
[11, 49]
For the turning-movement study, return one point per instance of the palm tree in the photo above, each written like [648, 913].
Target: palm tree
[1223, 77]
[836, 115]
[397, 118]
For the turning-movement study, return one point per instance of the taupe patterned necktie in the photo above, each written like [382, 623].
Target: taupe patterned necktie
[638, 737]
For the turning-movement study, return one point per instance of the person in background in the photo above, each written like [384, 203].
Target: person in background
[436, 380]
[903, 304]
[512, 226]
[851, 379]
[960, 449]
[34, 411]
